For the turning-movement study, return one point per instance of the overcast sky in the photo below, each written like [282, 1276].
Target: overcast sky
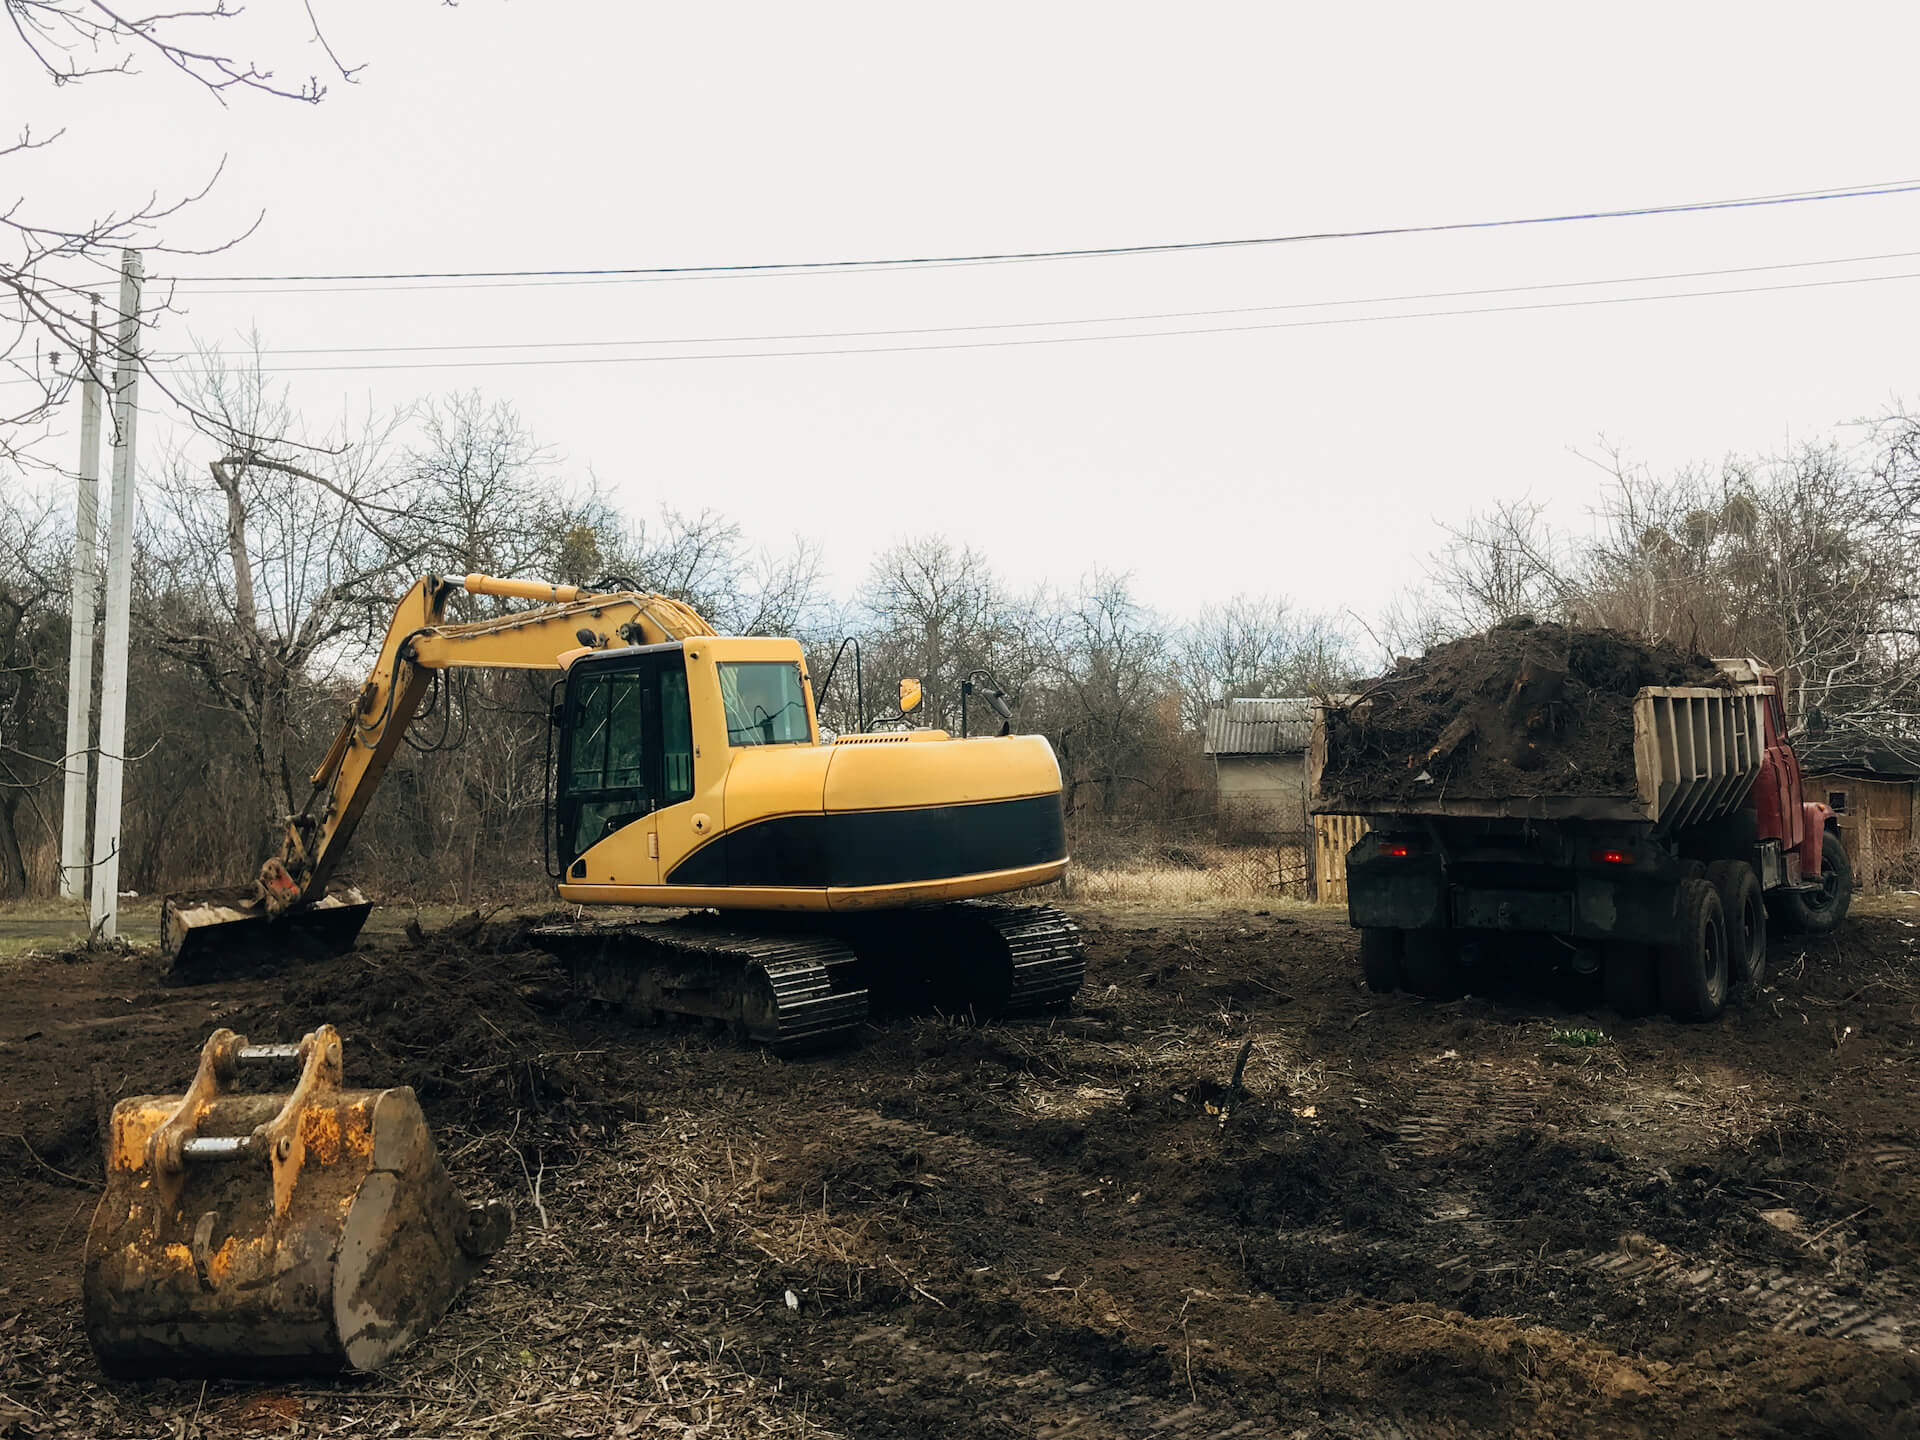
[1313, 460]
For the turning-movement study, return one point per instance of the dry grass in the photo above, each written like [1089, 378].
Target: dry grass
[1220, 876]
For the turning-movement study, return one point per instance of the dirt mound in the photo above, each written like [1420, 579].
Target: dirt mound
[475, 1022]
[1524, 709]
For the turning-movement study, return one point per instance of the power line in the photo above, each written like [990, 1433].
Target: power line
[1070, 339]
[1085, 319]
[1797, 197]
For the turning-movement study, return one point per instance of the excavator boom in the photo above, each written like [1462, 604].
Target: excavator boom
[292, 907]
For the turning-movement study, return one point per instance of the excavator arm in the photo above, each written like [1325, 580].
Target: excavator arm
[206, 927]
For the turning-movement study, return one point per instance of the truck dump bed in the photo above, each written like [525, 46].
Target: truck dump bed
[1696, 752]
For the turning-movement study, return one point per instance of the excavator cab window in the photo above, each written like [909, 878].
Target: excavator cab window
[628, 747]
[766, 703]
[676, 738]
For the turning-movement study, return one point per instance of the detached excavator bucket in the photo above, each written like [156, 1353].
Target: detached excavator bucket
[205, 933]
[253, 1235]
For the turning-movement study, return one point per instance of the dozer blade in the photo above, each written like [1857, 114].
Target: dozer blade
[205, 933]
[253, 1235]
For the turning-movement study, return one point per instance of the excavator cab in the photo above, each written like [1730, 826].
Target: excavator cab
[625, 747]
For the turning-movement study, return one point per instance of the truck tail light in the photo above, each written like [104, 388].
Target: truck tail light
[1395, 849]
[1612, 857]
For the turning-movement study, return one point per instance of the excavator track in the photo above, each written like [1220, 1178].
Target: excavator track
[1047, 962]
[995, 960]
[803, 982]
[792, 992]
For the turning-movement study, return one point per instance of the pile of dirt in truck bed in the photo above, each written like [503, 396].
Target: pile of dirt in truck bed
[1523, 709]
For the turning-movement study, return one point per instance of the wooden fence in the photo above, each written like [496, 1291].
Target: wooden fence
[1333, 836]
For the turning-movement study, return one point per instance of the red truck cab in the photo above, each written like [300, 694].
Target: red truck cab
[1781, 810]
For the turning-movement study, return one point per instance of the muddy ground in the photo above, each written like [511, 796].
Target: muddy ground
[1419, 1219]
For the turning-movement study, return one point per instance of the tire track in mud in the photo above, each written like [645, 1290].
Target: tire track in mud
[1168, 1303]
[1454, 1114]
[1785, 1303]
[1151, 1320]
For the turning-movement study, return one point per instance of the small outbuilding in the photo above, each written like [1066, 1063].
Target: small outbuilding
[1259, 754]
[1873, 785]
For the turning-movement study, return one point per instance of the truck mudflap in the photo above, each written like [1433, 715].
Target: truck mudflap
[1395, 886]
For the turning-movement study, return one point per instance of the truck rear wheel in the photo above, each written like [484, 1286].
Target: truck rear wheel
[1746, 912]
[1431, 964]
[1627, 977]
[1380, 960]
[1819, 912]
[1692, 967]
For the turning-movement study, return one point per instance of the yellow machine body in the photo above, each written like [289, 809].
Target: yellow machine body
[899, 818]
[245, 1235]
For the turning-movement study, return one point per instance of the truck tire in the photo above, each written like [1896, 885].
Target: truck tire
[1746, 912]
[1628, 981]
[1432, 968]
[1692, 967]
[1819, 912]
[1380, 960]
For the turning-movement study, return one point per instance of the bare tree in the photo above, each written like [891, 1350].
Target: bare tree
[32, 615]
[1256, 645]
[1500, 564]
[704, 561]
[260, 571]
[938, 613]
[52, 263]
[1805, 561]
[1115, 707]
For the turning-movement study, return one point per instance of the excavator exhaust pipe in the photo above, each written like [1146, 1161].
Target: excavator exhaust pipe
[246, 1235]
[208, 933]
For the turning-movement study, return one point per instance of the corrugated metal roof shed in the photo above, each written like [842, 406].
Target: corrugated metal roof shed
[1259, 727]
[1843, 750]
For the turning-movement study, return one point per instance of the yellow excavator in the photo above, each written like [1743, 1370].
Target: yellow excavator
[689, 774]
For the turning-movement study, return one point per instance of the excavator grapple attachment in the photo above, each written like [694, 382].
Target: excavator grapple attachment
[205, 933]
[247, 1235]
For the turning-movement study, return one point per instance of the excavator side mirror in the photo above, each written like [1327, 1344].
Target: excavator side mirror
[909, 695]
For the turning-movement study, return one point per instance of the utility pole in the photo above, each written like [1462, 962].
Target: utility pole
[86, 578]
[113, 659]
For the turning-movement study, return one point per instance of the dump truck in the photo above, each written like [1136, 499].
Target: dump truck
[1655, 854]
